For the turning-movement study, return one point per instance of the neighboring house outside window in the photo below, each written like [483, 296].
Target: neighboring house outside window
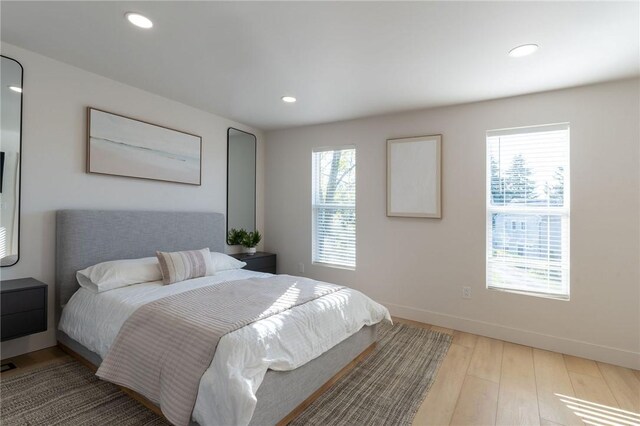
[528, 210]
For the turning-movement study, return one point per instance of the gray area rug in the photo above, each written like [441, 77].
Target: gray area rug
[68, 393]
[389, 386]
[385, 389]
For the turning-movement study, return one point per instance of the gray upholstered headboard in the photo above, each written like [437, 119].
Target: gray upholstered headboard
[87, 237]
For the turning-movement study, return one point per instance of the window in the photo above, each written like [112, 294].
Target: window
[528, 183]
[334, 207]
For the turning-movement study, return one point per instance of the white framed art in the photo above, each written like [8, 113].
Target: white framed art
[123, 146]
[414, 177]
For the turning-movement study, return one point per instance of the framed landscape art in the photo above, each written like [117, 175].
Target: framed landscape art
[123, 146]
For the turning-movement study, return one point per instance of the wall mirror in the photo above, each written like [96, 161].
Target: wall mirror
[241, 180]
[10, 159]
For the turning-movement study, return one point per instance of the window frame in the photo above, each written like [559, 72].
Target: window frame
[315, 207]
[563, 212]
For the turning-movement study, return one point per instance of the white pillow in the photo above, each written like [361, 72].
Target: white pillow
[119, 273]
[224, 262]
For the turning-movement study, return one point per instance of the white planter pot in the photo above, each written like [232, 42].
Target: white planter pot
[249, 250]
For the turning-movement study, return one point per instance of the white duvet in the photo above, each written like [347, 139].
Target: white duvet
[226, 395]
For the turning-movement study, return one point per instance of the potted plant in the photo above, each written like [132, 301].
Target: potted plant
[250, 240]
[236, 236]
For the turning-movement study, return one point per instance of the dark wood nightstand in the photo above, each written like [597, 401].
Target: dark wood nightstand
[261, 261]
[23, 307]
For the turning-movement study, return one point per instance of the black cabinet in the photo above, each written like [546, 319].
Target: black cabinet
[261, 261]
[23, 307]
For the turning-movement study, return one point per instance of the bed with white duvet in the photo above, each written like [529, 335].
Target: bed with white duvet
[227, 390]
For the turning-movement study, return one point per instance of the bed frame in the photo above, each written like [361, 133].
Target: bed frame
[88, 237]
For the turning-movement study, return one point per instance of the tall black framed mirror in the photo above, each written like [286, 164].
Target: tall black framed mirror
[11, 77]
[241, 180]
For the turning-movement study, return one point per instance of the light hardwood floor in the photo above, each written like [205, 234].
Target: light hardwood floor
[485, 381]
[33, 360]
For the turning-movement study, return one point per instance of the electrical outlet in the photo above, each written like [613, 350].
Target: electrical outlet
[301, 268]
[466, 292]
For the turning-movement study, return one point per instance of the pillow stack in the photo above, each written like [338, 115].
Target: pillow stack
[178, 266]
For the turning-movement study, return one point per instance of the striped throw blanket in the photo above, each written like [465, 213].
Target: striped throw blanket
[165, 346]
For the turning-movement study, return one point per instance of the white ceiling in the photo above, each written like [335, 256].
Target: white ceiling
[340, 59]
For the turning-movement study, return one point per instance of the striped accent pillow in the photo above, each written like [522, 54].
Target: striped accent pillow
[184, 265]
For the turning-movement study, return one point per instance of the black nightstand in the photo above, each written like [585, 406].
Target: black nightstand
[23, 307]
[261, 261]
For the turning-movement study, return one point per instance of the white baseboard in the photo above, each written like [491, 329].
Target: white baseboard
[579, 348]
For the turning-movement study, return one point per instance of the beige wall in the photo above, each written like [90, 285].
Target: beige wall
[417, 267]
[53, 168]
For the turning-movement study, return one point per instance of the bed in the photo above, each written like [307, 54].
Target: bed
[88, 237]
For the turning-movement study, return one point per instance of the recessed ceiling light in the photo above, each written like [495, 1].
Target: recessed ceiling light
[16, 89]
[289, 99]
[139, 20]
[524, 50]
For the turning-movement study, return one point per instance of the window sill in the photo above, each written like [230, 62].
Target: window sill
[331, 265]
[559, 297]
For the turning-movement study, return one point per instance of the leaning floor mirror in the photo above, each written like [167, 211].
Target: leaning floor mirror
[241, 180]
[10, 159]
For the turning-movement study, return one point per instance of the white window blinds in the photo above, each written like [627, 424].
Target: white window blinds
[334, 207]
[528, 210]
